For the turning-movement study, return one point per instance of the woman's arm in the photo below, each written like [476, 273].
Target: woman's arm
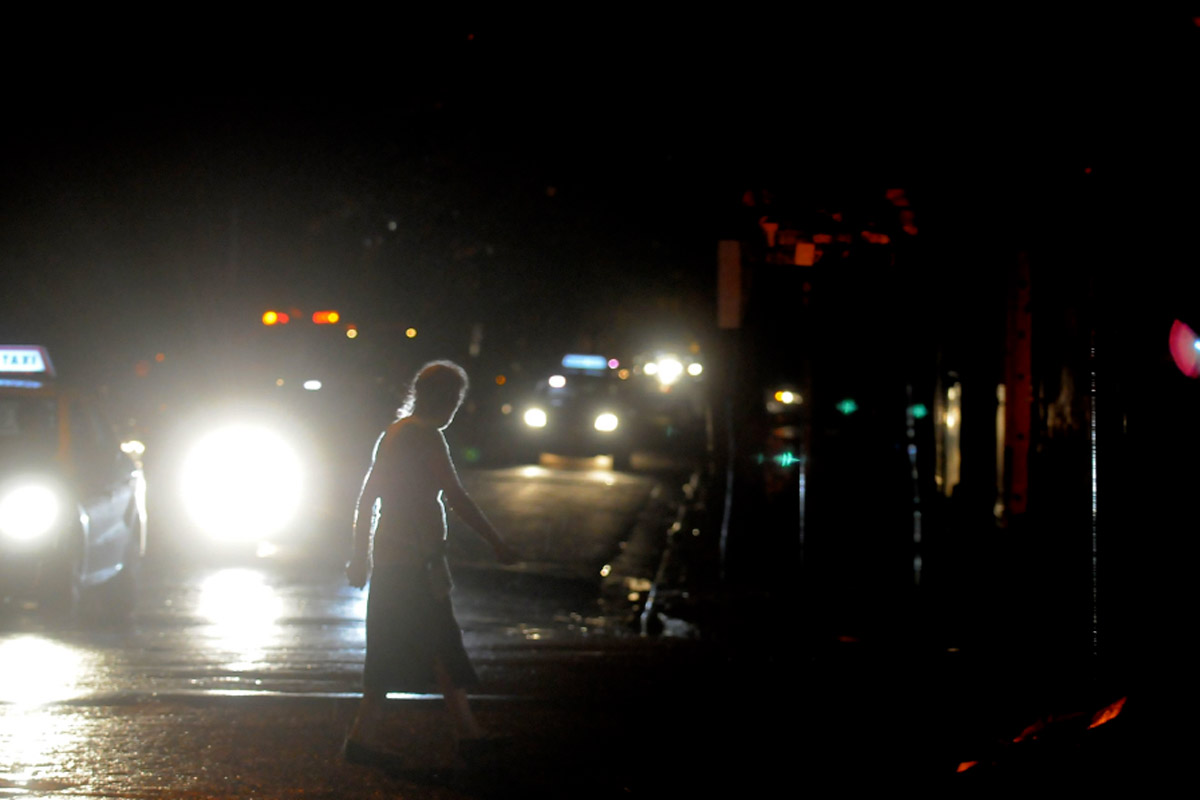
[465, 507]
[359, 568]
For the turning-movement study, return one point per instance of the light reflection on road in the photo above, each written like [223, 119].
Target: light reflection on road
[243, 613]
[35, 673]
[292, 625]
[35, 670]
[31, 739]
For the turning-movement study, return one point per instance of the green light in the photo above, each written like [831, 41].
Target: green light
[919, 411]
[786, 459]
[847, 406]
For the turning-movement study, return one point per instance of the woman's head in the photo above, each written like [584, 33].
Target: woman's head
[436, 392]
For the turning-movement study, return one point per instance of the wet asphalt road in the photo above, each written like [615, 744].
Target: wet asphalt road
[236, 677]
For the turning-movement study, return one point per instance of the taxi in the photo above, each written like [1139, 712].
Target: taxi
[72, 501]
[584, 410]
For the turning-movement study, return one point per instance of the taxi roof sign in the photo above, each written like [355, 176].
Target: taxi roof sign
[25, 359]
[583, 361]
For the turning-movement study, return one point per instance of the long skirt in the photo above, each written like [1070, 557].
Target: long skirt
[408, 629]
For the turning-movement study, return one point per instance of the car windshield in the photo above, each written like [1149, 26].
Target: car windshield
[28, 425]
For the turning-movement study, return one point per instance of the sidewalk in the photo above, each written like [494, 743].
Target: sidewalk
[894, 698]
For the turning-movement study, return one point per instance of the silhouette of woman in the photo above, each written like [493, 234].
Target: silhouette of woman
[413, 639]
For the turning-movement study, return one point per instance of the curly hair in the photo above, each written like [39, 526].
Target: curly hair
[436, 390]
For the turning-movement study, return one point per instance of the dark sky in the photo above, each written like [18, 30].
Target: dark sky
[556, 184]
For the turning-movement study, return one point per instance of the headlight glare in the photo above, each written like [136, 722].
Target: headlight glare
[669, 370]
[28, 511]
[535, 418]
[606, 422]
[242, 483]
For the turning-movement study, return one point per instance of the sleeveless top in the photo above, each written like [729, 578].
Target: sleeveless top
[412, 522]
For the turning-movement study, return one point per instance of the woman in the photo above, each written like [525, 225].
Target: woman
[413, 639]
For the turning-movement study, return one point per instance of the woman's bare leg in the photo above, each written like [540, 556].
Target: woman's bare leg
[465, 724]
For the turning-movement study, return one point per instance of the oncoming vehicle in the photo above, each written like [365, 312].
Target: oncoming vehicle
[239, 480]
[258, 477]
[671, 389]
[263, 449]
[582, 410]
[72, 501]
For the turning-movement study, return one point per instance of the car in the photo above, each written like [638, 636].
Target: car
[583, 409]
[259, 452]
[250, 478]
[72, 501]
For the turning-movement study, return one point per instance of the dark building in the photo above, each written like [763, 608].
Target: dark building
[987, 424]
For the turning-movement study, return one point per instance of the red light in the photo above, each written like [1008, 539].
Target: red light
[325, 317]
[1108, 713]
[1182, 342]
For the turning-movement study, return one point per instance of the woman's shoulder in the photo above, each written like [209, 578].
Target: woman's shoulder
[411, 431]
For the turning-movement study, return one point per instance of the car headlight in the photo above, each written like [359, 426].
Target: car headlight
[535, 418]
[606, 422]
[242, 482]
[28, 511]
[668, 371]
